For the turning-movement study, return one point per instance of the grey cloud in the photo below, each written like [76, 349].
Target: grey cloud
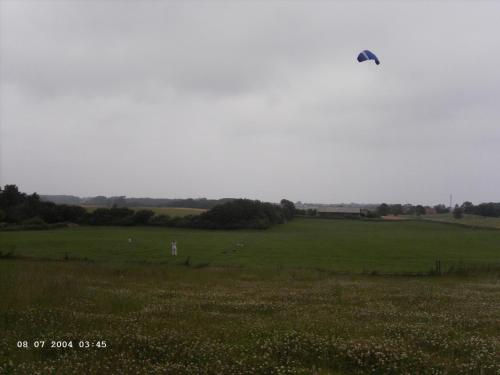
[263, 100]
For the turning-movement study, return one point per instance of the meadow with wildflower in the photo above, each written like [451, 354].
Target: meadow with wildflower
[168, 319]
[310, 297]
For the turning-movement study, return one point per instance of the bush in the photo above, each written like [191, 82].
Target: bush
[125, 221]
[383, 210]
[458, 213]
[240, 213]
[143, 216]
[489, 209]
[100, 216]
[34, 221]
[372, 215]
[160, 220]
[30, 211]
[110, 216]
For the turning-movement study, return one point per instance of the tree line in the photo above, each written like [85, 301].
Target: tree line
[30, 212]
[123, 201]
[490, 209]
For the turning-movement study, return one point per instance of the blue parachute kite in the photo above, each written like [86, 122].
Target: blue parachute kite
[367, 55]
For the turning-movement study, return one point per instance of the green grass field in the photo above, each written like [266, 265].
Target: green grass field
[471, 220]
[270, 305]
[342, 245]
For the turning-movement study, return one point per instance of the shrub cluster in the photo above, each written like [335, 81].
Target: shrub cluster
[29, 212]
[243, 213]
[117, 216]
[236, 214]
[490, 209]
[123, 201]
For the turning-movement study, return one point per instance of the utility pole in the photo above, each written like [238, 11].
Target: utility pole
[451, 199]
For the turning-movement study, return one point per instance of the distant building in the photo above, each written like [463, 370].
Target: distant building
[341, 212]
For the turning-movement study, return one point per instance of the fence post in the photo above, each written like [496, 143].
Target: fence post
[438, 267]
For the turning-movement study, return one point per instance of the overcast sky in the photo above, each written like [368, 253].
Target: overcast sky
[263, 100]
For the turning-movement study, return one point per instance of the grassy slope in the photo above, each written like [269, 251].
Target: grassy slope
[333, 244]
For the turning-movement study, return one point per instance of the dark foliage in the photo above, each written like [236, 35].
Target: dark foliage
[396, 209]
[468, 207]
[288, 209]
[490, 209]
[17, 208]
[458, 212]
[142, 217]
[122, 201]
[31, 212]
[240, 213]
[420, 210]
[441, 209]
[308, 212]
[383, 209]
[109, 216]
[160, 220]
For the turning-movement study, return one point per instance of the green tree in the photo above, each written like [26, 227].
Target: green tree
[458, 212]
[420, 210]
[468, 207]
[396, 209]
[10, 196]
[441, 209]
[143, 216]
[486, 209]
[383, 209]
[288, 208]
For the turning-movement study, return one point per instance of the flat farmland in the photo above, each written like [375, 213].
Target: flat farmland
[339, 245]
[467, 219]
